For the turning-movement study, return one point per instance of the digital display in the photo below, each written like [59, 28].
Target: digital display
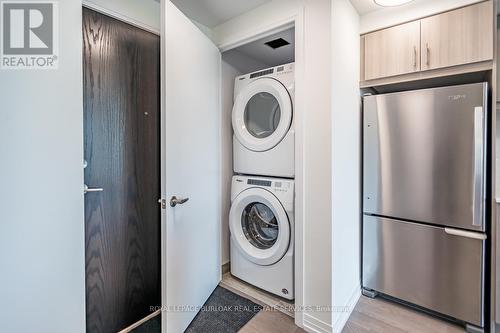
[266, 72]
[259, 182]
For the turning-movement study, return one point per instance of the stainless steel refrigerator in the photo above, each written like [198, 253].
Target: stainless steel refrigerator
[424, 176]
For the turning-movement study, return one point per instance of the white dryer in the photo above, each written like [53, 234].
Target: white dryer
[261, 221]
[263, 123]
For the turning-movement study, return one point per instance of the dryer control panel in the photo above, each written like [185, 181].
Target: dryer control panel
[285, 74]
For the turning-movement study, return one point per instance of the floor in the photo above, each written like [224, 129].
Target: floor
[266, 321]
[271, 321]
[277, 315]
[369, 316]
[382, 316]
[257, 295]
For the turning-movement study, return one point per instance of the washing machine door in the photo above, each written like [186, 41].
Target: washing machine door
[262, 114]
[259, 226]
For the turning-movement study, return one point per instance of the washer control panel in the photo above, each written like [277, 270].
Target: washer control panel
[274, 185]
[282, 188]
[259, 182]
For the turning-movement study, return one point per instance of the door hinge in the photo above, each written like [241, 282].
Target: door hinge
[163, 203]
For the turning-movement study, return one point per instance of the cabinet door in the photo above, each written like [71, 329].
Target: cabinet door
[458, 37]
[392, 51]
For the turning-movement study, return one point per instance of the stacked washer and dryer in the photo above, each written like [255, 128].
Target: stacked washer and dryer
[261, 218]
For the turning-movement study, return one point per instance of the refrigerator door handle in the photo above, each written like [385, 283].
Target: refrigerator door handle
[463, 233]
[477, 200]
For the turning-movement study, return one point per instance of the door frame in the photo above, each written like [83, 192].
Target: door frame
[163, 167]
[118, 16]
[296, 20]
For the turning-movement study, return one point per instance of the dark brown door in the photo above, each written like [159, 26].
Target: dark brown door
[121, 67]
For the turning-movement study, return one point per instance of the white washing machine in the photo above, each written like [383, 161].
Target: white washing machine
[261, 222]
[263, 123]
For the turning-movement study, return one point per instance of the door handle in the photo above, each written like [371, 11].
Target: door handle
[174, 201]
[463, 233]
[86, 189]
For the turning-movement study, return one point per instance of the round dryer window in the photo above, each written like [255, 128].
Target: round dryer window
[259, 226]
[262, 114]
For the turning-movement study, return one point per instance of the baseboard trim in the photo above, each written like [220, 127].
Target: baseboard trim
[314, 325]
[226, 268]
[341, 318]
[140, 322]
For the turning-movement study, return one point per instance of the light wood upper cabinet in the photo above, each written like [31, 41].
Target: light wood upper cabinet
[462, 36]
[392, 51]
[458, 37]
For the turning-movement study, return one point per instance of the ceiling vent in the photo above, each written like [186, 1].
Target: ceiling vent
[277, 43]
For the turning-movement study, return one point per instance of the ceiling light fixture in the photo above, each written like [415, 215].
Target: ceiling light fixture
[391, 3]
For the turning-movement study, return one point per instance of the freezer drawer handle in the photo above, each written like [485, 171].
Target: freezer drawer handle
[463, 233]
[477, 200]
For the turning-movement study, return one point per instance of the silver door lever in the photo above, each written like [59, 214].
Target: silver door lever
[86, 189]
[174, 201]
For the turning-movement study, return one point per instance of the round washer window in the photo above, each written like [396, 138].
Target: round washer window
[262, 115]
[259, 225]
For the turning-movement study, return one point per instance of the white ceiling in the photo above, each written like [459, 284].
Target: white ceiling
[257, 55]
[365, 6]
[368, 6]
[211, 13]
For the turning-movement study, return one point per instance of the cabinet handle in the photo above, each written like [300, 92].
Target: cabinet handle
[415, 57]
[428, 54]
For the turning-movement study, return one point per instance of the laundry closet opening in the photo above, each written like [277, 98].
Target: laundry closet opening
[258, 169]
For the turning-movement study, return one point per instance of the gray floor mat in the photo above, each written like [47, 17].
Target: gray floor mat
[224, 312]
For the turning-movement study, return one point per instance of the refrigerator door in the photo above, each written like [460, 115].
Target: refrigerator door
[424, 155]
[436, 268]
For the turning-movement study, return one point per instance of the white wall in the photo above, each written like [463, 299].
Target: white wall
[346, 161]
[414, 10]
[42, 279]
[145, 13]
[242, 62]
[317, 161]
[229, 73]
[206, 30]
[314, 134]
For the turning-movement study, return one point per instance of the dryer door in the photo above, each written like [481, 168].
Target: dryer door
[262, 114]
[259, 226]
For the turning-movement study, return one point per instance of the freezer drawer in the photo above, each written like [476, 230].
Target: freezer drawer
[426, 266]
